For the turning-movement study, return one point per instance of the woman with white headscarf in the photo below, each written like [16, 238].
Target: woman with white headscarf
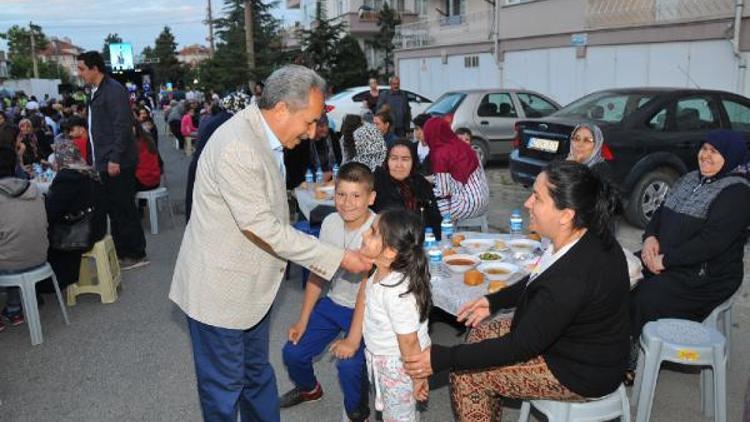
[586, 144]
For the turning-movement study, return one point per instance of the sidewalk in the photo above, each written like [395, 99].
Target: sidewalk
[131, 360]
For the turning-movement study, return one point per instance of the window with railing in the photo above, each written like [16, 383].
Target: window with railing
[420, 7]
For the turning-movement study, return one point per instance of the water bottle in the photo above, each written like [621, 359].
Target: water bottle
[435, 258]
[309, 179]
[446, 230]
[319, 176]
[335, 171]
[516, 224]
[38, 170]
[429, 239]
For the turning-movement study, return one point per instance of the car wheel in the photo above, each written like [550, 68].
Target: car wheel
[648, 195]
[482, 150]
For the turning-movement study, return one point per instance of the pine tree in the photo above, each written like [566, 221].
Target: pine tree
[350, 68]
[320, 44]
[388, 18]
[227, 69]
[168, 68]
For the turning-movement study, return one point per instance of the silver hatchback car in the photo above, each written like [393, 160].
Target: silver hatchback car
[491, 115]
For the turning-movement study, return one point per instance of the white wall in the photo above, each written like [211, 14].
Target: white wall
[431, 78]
[558, 73]
[36, 87]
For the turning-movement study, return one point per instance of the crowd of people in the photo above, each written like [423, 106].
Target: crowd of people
[574, 333]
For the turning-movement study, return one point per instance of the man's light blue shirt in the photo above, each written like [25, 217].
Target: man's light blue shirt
[276, 148]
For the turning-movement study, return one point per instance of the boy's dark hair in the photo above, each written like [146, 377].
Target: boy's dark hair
[385, 116]
[8, 160]
[356, 173]
[92, 59]
[402, 231]
[73, 121]
[463, 131]
[421, 119]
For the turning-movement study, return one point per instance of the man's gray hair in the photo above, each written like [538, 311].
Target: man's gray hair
[393, 78]
[291, 84]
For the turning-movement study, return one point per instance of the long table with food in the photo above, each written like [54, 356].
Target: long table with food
[481, 263]
[310, 197]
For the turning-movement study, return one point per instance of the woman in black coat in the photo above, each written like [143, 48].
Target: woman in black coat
[75, 188]
[568, 337]
[694, 244]
[398, 185]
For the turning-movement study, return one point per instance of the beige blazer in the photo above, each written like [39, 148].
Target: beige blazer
[235, 249]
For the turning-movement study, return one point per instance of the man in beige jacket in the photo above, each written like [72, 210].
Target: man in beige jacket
[237, 243]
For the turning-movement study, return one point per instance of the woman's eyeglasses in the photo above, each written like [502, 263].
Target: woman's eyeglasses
[579, 138]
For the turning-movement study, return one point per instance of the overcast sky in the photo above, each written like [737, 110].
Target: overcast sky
[87, 22]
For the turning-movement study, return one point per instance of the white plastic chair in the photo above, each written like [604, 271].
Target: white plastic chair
[26, 281]
[472, 223]
[686, 343]
[603, 409]
[721, 319]
[152, 198]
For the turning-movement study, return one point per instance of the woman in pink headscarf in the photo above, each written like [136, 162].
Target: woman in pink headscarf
[460, 184]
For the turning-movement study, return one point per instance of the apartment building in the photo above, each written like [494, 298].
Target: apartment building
[568, 48]
[64, 52]
[361, 17]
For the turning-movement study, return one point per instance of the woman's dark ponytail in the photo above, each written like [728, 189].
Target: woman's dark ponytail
[594, 200]
[402, 230]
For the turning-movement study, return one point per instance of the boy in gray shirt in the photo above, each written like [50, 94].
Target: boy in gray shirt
[322, 321]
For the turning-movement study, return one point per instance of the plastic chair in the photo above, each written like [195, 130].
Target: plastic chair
[602, 409]
[26, 281]
[107, 275]
[469, 223]
[721, 319]
[152, 197]
[687, 343]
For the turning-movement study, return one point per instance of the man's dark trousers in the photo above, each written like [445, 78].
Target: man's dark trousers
[233, 371]
[127, 233]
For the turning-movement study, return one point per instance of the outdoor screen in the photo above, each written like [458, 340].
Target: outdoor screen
[121, 56]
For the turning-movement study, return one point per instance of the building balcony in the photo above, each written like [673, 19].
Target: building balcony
[601, 14]
[470, 28]
[366, 22]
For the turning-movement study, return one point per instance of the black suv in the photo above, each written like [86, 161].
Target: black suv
[651, 138]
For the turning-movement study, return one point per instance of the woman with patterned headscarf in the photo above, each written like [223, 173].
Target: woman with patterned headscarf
[586, 144]
[369, 146]
[75, 188]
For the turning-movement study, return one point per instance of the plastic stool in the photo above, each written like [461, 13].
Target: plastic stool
[152, 197]
[26, 281]
[687, 343]
[602, 409]
[469, 223]
[721, 319]
[107, 275]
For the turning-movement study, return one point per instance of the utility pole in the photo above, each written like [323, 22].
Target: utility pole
[33, 51]
[210, 28]
[249, 41]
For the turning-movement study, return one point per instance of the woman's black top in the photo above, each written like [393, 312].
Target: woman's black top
[72, 192]
[389, 195]
[574, 314]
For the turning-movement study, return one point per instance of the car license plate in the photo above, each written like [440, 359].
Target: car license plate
[541, 144]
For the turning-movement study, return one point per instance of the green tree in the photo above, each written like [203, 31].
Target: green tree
[110, 39]
[227, 69]
[388, 18]
[19, 54]
[167, 68]
[350, 67]
[320, 44]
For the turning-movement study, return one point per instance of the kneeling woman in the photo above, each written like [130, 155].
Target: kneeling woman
[568, 339]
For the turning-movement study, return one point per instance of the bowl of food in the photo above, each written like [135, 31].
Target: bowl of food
[475, 246]
[496, 286]
[473, 278]
[460, 263]
[524, 246]
[490, 256]
[500, 271]
[457, 238]
[324, 192]
[500, 245]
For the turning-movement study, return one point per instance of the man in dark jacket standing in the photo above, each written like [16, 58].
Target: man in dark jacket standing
[113, 154]
[398, 103]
